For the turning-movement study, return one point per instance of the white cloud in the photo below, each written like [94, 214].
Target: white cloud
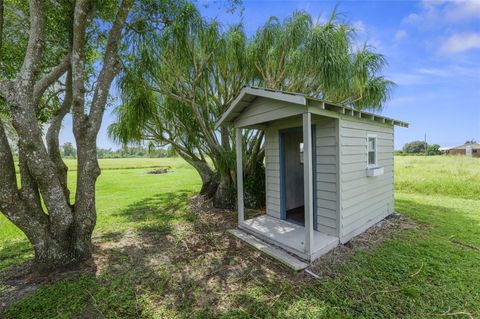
[463, 10]
[452, 71]
[413, 18]
[407, 78]
[400, 34]
[429, 75]
[437, 13]
[460, 42]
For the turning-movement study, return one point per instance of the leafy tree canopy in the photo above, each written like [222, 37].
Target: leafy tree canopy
[177, 82]
[415, 147]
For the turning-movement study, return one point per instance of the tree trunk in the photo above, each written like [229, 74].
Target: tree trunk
[208, 176]
[85, 214]
[59, 232]
[209, 179]
[53, 253]
[225, 195]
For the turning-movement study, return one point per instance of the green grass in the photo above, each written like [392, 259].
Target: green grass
[157, 260]
[451, 176]
[118, 187]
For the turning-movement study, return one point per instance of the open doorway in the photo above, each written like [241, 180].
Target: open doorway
[291, 167]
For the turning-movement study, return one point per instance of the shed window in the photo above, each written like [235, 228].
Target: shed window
[371, 150]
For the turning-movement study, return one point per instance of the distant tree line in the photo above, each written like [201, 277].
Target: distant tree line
[419, 148]
[68, 151]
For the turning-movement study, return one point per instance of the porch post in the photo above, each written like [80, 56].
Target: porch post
[308, 180]
[240, 205]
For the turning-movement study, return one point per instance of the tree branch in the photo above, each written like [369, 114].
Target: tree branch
[8, 179]
[53, 144]
[36, 39]
[1, 26]
[29, 190]
[80, 21]
[49, 78]
[33, 223]
[110, 69]
[6, 89]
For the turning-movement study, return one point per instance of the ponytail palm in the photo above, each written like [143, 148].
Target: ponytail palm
[319, 60]
[178, 82]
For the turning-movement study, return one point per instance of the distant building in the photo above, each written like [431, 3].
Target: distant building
[472, 150]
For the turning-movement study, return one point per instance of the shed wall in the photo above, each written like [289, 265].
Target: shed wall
[364, 200]
[326, 171]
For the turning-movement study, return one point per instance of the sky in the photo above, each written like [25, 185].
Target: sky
[432, 49]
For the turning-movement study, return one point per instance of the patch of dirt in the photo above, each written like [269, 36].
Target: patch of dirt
[327, 265]
[158, 171]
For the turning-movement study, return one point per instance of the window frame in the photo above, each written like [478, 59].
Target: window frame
[374, 136]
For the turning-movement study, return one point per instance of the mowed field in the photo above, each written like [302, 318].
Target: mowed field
[157, 259]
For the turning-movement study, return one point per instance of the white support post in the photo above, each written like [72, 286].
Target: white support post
[240, 205]
[308, 180]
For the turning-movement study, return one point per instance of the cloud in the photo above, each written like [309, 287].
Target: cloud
[434, 14]
[460, 42]
[463, 10]
[400, 34]
[413, 18]
[452, 71]
[429, 75]
[407, 78]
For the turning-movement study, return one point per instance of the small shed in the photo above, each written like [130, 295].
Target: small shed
[329, 170]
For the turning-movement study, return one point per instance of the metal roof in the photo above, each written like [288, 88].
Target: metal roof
[464, 146]
[249, 93]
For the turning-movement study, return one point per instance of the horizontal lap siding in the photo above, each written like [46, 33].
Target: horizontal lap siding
[326, 175]
[263, 110]
[365, 200]
[272, 171]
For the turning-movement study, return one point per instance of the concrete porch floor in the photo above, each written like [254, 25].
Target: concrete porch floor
[289, 236]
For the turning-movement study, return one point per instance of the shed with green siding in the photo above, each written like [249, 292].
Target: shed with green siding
[329, 169]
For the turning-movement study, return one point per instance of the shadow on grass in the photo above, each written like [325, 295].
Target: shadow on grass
[178, 264]
[14, 252]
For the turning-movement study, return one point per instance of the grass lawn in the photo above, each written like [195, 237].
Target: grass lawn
[156, 259]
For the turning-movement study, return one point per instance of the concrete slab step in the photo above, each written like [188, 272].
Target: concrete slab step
[272, 251]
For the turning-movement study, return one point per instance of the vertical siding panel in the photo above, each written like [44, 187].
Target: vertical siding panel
[326, 178]
[272, 172]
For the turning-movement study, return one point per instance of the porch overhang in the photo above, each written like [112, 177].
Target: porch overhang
[247, 95]
[317, 106]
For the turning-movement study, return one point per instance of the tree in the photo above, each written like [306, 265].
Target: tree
[472, 141]
[75, 46]
[415, 147]
[433, 149]
[69, 150]
[178, 83]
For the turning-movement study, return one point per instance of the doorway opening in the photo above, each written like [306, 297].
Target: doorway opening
[292, 176]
